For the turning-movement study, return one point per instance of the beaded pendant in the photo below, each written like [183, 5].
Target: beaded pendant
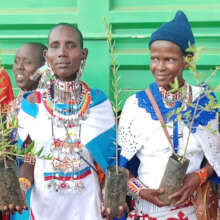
[67, 163]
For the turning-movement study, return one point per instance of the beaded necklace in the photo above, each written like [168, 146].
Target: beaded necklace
[170, 99]
[68, 113]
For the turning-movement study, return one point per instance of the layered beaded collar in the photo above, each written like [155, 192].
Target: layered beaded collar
[70, 104]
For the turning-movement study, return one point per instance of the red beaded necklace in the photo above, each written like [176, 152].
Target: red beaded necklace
[74, 109]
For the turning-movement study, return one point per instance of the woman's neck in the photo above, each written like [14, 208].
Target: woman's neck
[64, 91]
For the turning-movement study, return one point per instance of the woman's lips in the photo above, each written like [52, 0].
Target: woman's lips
[62, 65]
[162, 77]
[19, 77]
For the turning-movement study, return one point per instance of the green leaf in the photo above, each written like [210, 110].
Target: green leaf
[40, 152]
[174, 86]
[29, 149]
[20, 151]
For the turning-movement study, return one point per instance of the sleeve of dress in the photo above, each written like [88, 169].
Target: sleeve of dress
[209, 138]
[130, 134]
[101, 137]
[26, 117]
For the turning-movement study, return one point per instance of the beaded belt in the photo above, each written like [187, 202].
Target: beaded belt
[67, 176]
[71, 181]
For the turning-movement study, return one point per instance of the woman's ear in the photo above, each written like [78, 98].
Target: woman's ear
[45, 54]
[84, 53]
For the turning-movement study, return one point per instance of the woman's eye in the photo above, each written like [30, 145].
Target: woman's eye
[70, 45]
[170, 59]
[27, 62]
[154, 58]
[54, 45]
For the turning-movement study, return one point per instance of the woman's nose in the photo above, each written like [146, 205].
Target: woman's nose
[20, 65]
[62, 51]
[161, 65]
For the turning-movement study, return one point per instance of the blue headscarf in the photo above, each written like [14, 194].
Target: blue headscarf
[177, 31]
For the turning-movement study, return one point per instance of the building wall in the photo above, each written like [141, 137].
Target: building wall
[132, 23]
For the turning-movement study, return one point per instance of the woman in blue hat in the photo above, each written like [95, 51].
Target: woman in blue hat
[141, 133]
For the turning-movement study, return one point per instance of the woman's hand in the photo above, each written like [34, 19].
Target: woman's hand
[185, 193]
[15, 208]
[107, 212]
[151, 195]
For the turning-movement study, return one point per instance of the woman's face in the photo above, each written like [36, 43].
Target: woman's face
[25, 64]
[167, 62]
[64, 53]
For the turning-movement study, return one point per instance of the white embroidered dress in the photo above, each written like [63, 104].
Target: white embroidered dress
[46, 203]
[140, 135]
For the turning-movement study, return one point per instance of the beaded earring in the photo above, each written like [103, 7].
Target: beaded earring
[39, 72]
[81, 69]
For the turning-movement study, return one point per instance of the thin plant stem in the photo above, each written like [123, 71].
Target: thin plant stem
[191, 125]
[115, 79]
[116, 139]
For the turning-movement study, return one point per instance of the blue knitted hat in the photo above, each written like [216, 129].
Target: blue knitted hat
[177, 31]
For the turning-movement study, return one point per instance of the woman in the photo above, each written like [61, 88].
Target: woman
[74, 125]
[141, 133]
[29, 57]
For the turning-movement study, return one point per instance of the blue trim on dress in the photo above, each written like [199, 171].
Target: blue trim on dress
[98, 96]
[102, 148]
[122, 161]
[19, 142]
[203, 116]
[175, 135]
[133, 165]
[144, 102]
[28, 107]
[215, 179]
[124, 217]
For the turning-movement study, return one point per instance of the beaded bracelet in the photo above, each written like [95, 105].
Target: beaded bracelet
[29, 159]
[135, 186]
[203, 175]
[25, 184]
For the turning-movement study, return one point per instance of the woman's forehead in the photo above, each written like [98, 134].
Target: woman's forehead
[63, 33]
[26, 51]
[165, 46]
